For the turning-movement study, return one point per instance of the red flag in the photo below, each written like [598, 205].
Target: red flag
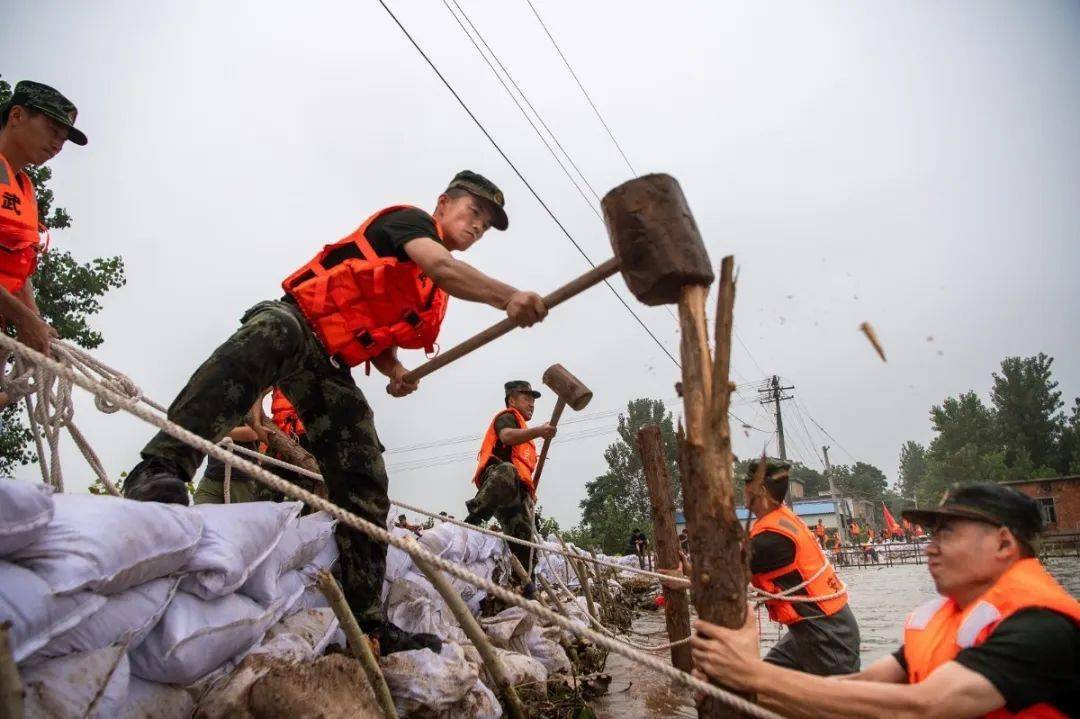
[890, 524]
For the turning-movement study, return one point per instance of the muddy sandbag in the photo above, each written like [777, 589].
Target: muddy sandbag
[522, 669]
[195, 636]
[109, 544]
[90, 684]
[447, 678]
[316, 627]
[506, 626]
[36, 613]
[126, 618]
[25, 510]
[415, 606]
[235, 539]
[150, 700]
[332, 687]
[301, 541]
[543, 645]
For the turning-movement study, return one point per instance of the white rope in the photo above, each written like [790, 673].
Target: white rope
[786, 594]
[131, 405]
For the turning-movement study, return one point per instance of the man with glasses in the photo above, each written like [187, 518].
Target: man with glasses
[1002, 640]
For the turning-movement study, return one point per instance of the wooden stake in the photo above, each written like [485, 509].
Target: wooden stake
[719, 575]
[676, 603]
[583, 579]
[606, 600]
[358, 642]
[521, 574]
[11, 688]
[476, 635]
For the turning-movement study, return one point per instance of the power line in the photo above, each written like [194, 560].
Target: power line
[521, 177]
[826, 432]
[583, 90]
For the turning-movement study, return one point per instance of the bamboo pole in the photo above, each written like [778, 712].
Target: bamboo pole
[676, 603]
[521, 574]
[476, 635]
[583, 580]
[606, 599]
[11, 688]
[358, 642]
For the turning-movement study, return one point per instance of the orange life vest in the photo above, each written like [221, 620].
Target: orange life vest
[809, 559]
[284, 414]
[20, 228]
[936, 631]
[365, 305]
[819, 530]
[522, 455]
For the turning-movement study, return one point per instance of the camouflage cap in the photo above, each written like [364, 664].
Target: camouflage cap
[48, 101]
[986, 502]
[774, 469]
[485, 189]
[519, 385]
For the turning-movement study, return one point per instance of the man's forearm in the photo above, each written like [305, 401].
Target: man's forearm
[386, 361]
[465, 282]
[510, 437]
[14, 308]
[27, 295]
[804, 696]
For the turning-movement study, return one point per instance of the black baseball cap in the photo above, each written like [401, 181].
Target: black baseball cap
[479, 186]
[519, 385]
[988, 502]
[47, 101]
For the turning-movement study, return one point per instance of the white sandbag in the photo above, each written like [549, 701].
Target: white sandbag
[126, 618]
[415, 606]
[109, 544]
[447, 679]
[195, 636]
[25, 510]
[543, 645]
[300, 543]
[36, 613]
[150, 700]
[506, 626]
[479, 703]
[316, 628]
[325, 559]
[522, 669]
[91, 684]
[235, 539]
[312, 598]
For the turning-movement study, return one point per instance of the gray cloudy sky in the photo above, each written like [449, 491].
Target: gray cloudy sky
[916, 165]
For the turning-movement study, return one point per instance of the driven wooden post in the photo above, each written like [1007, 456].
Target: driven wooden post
[12, 693]
[676, 603]
[357, 641]
[583, 579]
[476, 635]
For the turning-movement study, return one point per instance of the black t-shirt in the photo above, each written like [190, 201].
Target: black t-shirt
[506, 420]
[1032, 657]
[389, 234]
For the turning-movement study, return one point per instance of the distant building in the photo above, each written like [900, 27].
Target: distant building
[808, 510]
[1059, 501]
[796, 489]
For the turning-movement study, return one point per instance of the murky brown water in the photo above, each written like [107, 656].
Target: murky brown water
[881, 597]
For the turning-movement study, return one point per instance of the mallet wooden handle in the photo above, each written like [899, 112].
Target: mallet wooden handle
[571, 289]
[559, 407]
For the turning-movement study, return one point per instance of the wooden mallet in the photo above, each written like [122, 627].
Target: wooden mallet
[657, 247]
[570, 391]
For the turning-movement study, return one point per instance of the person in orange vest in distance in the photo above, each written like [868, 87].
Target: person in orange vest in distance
[1002, 640]
[854, 530]
[384, 286]
[35, 123]
[819, 532]
[504, 470]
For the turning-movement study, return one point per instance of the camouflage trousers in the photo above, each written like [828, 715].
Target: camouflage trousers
[212, 491]
[275, 347]
[503, 495]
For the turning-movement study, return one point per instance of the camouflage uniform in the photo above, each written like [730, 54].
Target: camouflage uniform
[503, 495]
[275, 346]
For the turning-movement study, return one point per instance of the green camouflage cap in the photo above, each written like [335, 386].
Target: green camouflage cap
[49, 102]
[986, 502]
[520, 385]
[485, 189]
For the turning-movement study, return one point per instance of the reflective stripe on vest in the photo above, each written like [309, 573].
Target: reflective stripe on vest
[363, 306]
[20, 228]
[938, 630]
[809, 559]
[523, 455]
[284, 414]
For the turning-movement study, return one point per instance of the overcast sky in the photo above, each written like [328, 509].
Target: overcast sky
[915, 165]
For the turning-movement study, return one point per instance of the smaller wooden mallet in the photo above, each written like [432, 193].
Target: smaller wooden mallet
[570, 391]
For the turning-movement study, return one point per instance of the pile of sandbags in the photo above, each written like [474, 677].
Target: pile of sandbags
[116, 606]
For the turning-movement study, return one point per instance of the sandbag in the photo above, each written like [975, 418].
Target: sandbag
[325, 559]
[126, 618]
[506, 626]
[448, 678]
[195, 636]
[109, 544]
[300, 543]
[235, 539]
[91, 684]
[36, 613]
[543, 645]
[150, 700]
[25, 510]
[316, 628]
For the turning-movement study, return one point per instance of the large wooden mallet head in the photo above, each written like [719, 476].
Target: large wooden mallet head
[655, 239]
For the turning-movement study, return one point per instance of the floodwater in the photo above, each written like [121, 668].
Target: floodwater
[881, 598]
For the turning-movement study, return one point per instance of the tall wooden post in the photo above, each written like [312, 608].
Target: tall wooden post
[720, 573]
[676, 603]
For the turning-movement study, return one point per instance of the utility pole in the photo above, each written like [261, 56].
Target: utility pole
[840, 528]
[773, 393]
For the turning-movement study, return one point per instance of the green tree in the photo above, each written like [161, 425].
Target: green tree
[67, 293]
[860, 481]
[618, 500]
[1026, 406]
[814, 482]
[913, 466]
